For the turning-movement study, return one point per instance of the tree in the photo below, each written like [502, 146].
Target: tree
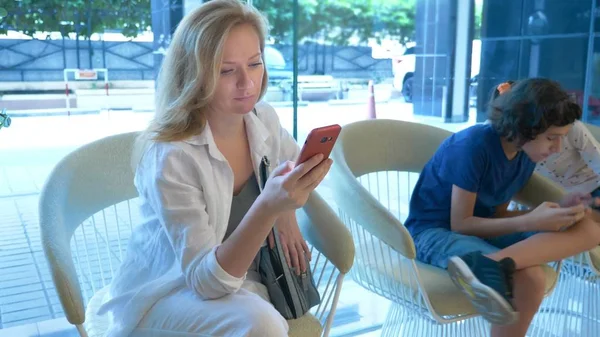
[370, 19]
[477, 23]
[84, 17]
[337, 21]
[280, 16]
[397, 19]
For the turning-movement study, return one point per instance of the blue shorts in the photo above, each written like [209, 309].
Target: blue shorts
[436, 245]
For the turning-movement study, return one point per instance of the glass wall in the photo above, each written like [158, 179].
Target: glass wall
[354, 59]
[543, 38]
[345, 49]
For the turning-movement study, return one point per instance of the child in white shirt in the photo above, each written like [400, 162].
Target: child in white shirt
[577, 167]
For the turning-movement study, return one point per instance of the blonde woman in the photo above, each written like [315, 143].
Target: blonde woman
[190, 268]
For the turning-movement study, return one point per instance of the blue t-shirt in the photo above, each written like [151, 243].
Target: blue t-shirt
[472, 159]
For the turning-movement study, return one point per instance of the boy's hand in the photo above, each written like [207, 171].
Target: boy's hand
[551, 217]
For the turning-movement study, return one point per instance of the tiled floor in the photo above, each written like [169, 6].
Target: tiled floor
[51, 328]
[26, 290]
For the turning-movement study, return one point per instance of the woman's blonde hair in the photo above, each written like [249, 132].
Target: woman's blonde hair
[190, 70]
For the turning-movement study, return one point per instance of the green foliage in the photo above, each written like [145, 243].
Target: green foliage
[86, 16]
[477, 23]
[334, 21]
[337, 21]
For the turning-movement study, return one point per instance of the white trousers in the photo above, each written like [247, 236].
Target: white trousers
[182, 314]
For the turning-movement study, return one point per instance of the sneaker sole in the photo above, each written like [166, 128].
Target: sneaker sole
[491, 305]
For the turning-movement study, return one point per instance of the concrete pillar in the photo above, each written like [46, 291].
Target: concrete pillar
[462, 61]
[435, 37]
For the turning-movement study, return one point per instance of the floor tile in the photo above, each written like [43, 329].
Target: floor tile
[59, 327]
[21, 315]
[29, 330]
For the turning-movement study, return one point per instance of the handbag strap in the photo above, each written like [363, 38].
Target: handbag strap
[264, 175]
[295, 304]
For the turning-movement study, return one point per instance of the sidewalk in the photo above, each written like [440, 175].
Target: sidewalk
[87, 101]
[87, 111]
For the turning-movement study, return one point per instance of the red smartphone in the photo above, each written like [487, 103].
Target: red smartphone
[319, 140]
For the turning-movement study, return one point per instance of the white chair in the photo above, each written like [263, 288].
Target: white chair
[376, 164]
[85, 209]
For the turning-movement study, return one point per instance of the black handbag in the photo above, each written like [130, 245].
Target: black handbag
[292, 295]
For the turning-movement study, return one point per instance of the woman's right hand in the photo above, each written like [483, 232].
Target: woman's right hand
[288, 187]
[551, 217]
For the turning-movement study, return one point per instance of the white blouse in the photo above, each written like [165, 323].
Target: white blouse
[185, 191]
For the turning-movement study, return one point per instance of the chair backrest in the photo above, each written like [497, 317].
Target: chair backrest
[373, 146]
[86, 181]
[388, 145]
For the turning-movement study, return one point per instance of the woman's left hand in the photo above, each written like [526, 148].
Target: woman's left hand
[294, 246]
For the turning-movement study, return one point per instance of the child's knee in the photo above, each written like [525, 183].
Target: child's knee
[590, 230]
[533, 283]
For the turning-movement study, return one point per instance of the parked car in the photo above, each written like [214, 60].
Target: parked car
[403, 68]
[310, 87]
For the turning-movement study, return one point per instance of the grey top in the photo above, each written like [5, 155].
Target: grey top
[240, 205]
